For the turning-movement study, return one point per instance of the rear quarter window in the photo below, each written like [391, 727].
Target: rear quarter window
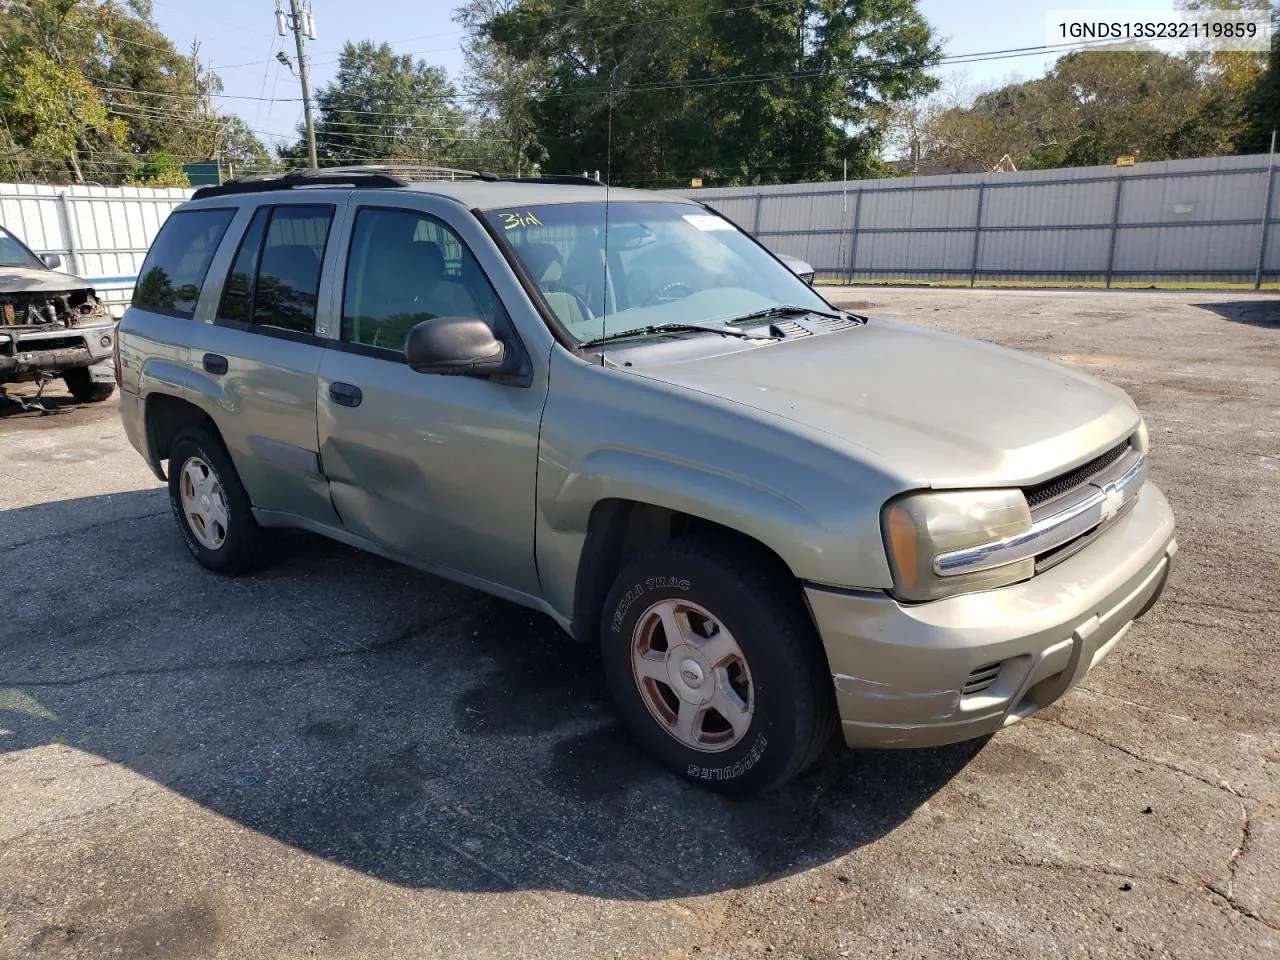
[173, 273]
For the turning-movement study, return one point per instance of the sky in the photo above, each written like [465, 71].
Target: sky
[239, 36]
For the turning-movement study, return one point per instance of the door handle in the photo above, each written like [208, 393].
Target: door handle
[345, 394]
[215, 364]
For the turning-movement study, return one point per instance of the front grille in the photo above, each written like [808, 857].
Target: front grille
[1044, 492]
[980, 679]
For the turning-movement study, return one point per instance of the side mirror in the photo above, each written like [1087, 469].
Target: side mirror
[52, 260]
[455, 346]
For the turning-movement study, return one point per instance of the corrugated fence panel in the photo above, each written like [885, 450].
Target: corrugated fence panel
[1056, 251]
[1184, 219]
[101, 233]
[1054, 204]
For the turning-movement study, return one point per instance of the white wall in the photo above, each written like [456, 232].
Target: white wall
[101, 233]
[1177, 219]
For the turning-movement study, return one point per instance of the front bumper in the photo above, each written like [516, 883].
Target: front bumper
[53, 349]
[901, 671]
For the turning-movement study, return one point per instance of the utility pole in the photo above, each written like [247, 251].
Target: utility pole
[304, 27]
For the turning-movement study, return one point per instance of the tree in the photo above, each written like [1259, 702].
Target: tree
[65, 62]
[1095, 105]
[1262, 108]
[501, 89]
[240, 150]
[162, 170]
[384, 106]
[56, 112]
[660, 90]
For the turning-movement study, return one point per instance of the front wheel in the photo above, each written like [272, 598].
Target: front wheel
[715, 665]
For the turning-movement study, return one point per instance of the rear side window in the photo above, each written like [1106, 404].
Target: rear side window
[175, 268]
[288, 280]
[237, 295]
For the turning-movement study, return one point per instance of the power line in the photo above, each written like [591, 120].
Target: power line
[156, 114]
[693, 83]
[563, 15]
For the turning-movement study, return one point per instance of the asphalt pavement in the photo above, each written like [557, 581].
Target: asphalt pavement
[341, 757]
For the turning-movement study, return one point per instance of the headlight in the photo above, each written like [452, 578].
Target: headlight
[919, 526]
[1141, 440]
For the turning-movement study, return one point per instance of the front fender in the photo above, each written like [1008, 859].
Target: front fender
[608, 434]
[740, 503]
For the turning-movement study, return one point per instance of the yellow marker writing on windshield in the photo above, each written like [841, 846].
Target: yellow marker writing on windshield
[512, 220]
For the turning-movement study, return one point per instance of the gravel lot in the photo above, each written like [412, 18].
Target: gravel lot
[343, 758]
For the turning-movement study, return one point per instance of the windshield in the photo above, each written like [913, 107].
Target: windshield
[668, 263]
[14, 254]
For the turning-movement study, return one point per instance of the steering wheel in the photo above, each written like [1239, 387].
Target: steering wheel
[667, 293]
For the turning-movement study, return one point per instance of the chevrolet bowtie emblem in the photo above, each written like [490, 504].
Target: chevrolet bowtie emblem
[1112, 500]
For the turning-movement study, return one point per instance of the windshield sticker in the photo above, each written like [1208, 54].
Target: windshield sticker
[708, 221]
[512, 220]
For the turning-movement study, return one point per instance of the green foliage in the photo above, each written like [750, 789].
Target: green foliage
[93, 91]
[1262, 108]
[162, 170]
[501, 90]
[56, 111]
[658, 91]
[1096, 105]
[386, 107]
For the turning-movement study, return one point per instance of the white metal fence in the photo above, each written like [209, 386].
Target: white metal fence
[1215, 219]
[101, 233]
[1212, 219]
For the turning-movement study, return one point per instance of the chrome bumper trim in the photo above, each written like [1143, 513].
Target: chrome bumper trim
[1107, 502]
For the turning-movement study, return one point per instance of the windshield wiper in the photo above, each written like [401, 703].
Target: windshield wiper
[675, 325]
[783, 310]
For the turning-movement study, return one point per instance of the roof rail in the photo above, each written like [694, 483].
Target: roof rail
[571, 178]
[367, 176]
[406, 171]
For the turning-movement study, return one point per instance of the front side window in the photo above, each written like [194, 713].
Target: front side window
[405, 267]
[639, 264]
[174, 270]
[14, 253]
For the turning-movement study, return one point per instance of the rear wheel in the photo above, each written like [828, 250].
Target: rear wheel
[210, 504]
[715, 665]
[84, 388]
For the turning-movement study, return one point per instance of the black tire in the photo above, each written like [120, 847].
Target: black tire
[759, 602]
[84, 388]
[238, 550]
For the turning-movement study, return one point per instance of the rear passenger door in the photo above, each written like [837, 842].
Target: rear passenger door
[259, 359]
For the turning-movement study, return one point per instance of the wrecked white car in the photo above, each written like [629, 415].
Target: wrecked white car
[51, 325]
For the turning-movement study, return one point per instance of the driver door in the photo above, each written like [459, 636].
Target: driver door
[438, 469]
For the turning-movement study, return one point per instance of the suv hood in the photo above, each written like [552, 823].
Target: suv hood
[934, 409]
[31, 280]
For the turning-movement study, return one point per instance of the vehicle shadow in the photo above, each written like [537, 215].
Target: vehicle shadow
[389, 721]
[1255, 313]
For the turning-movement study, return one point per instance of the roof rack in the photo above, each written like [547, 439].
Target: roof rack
[368, 176]
[550, 178]
[405, 171]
